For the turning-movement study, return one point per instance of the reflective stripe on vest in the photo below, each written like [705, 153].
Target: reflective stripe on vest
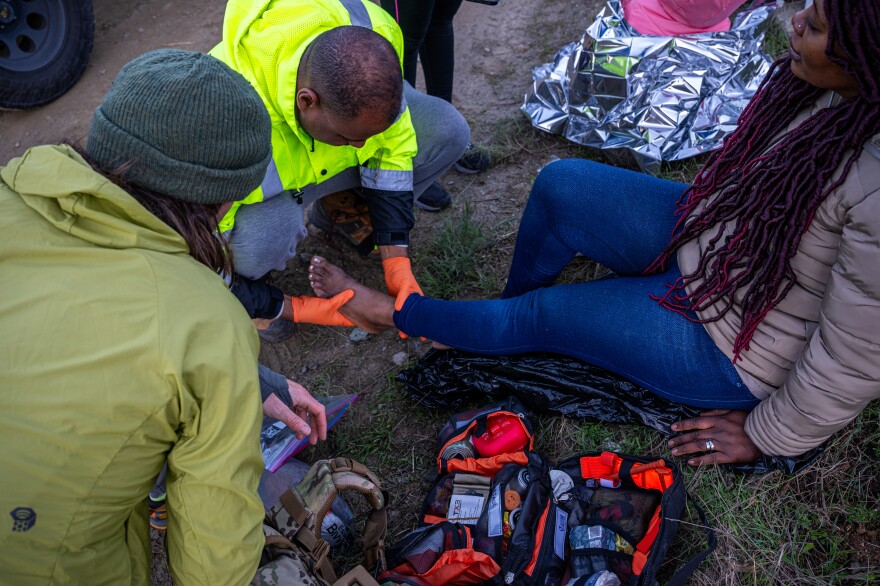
[386, 180]
[358, 13]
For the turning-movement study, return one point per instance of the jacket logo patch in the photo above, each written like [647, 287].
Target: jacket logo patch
[23, 518]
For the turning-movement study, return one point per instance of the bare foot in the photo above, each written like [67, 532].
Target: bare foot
[327, 279]
[369, 309]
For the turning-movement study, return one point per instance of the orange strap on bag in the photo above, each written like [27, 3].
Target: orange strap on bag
[458, 566]
[324, 312]
[640, 556]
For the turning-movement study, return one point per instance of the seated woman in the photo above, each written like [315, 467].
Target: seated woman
[757, 296]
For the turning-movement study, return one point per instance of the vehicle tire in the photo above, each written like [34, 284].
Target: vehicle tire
[44, 48]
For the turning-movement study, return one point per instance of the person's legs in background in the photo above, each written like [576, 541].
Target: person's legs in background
[437, 50]
[428, 36]
[414, 18]
[437, 56]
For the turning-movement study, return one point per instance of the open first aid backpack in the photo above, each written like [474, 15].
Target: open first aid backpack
[498, 513]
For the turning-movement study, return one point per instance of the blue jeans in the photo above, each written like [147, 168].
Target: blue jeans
[622, 220]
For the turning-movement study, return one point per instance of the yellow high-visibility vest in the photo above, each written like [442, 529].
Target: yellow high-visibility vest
[264, 41]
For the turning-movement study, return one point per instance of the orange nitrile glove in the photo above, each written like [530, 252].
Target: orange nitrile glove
[324, 312]
[400, 281]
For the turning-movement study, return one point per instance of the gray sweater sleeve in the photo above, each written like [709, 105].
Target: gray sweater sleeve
[272, 383]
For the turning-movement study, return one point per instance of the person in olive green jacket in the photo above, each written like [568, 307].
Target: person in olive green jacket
[122, 346]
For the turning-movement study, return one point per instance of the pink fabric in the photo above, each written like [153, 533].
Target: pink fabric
[679, 17]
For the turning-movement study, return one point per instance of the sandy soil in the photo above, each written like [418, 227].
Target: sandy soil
[123, 30]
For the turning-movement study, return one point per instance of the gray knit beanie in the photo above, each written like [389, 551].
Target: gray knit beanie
[188, 126]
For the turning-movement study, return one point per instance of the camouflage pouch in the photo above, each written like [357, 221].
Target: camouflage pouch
[294, 523]
[284, 564]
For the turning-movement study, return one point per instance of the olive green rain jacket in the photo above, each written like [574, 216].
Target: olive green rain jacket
[264, 40]
[117, 351]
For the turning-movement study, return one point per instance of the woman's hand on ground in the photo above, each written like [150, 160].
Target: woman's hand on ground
[720, 433]
[305, 417]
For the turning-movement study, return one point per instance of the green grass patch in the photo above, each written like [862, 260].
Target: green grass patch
[450, 264]
[379, 431]
[682, 171]
[514, 139]
[775, 38]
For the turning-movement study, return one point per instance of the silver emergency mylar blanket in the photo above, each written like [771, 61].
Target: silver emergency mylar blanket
[663, 98]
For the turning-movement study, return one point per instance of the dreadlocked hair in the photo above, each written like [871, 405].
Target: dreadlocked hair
[768, 193]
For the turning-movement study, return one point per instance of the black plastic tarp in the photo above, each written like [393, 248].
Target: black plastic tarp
[557, 385]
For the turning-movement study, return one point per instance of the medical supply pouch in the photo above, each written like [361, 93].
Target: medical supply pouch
[438, 554]
[293, 527]
[485, 439]
[493, 537]
[621, 513]
[485, 495]
[472, 447]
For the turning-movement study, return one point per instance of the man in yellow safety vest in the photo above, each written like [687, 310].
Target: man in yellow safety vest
[329, 73]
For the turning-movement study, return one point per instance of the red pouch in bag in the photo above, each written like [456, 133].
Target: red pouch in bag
[437, 555]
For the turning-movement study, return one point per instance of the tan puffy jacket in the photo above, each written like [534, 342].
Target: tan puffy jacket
[815, 359]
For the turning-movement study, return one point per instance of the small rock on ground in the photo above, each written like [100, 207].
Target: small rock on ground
[358, 335]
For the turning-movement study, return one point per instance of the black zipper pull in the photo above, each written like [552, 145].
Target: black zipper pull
[515, 563]
[298, 196]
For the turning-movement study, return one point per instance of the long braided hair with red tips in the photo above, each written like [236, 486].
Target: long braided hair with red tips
[766, 193]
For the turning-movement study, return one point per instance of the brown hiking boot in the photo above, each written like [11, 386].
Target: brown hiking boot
[344, 213]
[275, 330]
[158, 514]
